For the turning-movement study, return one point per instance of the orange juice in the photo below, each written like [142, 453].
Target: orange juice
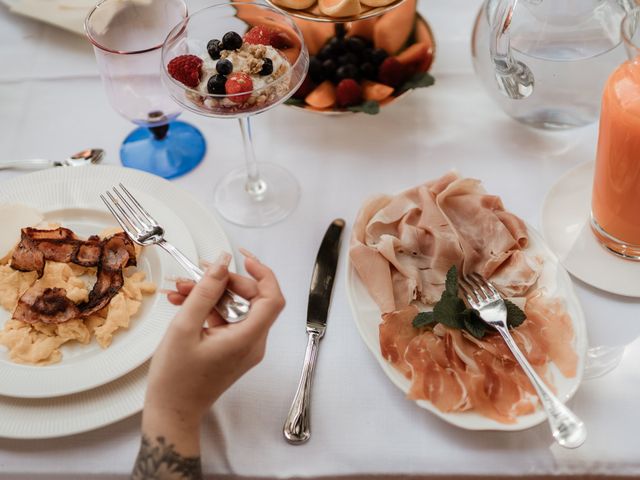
[615, 203]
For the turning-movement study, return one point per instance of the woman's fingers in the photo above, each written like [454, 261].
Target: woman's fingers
[268, 303]
[204, 295]
[175, 298]
[243, 286]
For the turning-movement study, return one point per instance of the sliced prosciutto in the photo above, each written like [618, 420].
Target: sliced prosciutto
[403, 245]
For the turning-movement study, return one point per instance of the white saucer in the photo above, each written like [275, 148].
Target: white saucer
[565, 226]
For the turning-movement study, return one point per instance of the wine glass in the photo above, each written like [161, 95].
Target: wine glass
[127, 37]
[258, 194]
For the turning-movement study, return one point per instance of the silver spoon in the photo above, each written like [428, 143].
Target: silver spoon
[85, 157]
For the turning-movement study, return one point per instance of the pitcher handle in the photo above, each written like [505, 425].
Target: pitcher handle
[514, 78]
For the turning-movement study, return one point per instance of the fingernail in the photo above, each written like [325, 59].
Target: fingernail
[166, 291]
[176, 279]
[223, 261]
[204, 263]
[248, 254]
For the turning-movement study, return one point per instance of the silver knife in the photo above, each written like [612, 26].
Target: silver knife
[297, 427]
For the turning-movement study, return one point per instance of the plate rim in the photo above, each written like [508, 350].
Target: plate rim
[126, 392]
[460, 419]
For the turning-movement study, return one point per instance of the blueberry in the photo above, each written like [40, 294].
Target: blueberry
[367, 70]
[214, 47]
[347, 71]
[329, 66]
[224, 66]
[348, 58]
[267, 67]
[231, 41]
[316, 72]
[215, 85]
[341, 30]
[324, 53]
[356, 45]
[378, 55]
[336, 47]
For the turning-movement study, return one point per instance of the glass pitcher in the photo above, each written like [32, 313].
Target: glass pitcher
[545, 62]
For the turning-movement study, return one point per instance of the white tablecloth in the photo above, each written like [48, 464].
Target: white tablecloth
[52, 103]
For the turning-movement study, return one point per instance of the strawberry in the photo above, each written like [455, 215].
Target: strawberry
[263, 35]
[348, 92]
[186, 69]
[239, 83]
[392, 72]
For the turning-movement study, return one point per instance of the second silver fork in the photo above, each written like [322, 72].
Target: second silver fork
[568, 430]
[145, 230]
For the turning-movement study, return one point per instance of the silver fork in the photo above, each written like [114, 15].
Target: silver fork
[144, 230]
[568, 430]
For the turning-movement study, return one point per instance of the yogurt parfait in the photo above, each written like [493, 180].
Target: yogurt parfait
[237, 74]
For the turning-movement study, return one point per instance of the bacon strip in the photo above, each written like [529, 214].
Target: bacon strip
[51, 305]
[117, 253]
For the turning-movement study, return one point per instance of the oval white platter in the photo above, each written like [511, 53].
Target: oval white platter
[367, 317]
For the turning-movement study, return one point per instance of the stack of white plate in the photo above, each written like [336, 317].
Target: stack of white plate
[92, 387]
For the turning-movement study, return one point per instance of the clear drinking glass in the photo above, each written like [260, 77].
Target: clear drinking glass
[127, 37]
[257, 194]
[615, 203]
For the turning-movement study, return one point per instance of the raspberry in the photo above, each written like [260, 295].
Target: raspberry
[239, 83]
[348, 92]
[263, 35]
[186, 69]
[392, 72]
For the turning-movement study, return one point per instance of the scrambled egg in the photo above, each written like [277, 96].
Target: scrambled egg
[39, 343]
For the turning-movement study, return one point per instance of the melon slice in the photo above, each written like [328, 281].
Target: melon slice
[417, 58]
[375, 91]
[295, 4]
[340, 8]
[393, 29]
[315, 34]
[324, 96]
[362, 28]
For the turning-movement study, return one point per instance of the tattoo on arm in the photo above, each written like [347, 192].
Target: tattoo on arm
[159, 461]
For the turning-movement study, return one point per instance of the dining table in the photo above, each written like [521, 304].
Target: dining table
[52, 103]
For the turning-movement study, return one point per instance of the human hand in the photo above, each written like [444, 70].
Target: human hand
[201, 355]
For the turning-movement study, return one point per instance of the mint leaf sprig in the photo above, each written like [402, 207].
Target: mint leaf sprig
[452, 312]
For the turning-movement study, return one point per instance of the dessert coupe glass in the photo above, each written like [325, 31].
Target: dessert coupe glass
[127, 37]
[257, 194]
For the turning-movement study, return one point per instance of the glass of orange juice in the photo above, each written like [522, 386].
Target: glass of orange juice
[615, 204]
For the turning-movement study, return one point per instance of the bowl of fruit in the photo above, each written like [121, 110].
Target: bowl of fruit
[362, 66]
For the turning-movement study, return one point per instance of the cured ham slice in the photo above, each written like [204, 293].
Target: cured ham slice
[457, 372]
[402, 246]
[396, 331]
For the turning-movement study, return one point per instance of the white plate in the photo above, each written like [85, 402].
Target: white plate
[109, 403]
[78, 207]
[566, 227]
[367, 317]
